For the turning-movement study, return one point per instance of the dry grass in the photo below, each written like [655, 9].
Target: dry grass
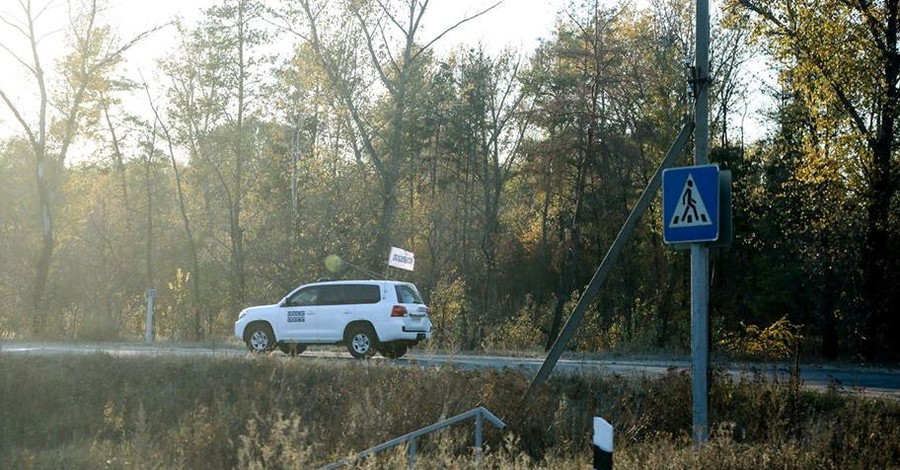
[267, 412]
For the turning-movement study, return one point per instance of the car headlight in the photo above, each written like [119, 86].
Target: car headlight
[242, 314]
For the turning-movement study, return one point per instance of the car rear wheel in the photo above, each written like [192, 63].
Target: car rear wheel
[292, 349]
[260, 338]
[361, 342]
[393, 350]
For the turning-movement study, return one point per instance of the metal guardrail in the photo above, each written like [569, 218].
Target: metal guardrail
[479, 414]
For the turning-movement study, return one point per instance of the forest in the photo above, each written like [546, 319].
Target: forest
[508, 174]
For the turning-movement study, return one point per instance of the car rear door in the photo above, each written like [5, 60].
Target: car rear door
[331, 315]
[349, 302]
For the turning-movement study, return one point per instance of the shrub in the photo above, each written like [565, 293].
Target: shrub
[777, 341]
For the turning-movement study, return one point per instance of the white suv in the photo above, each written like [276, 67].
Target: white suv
[366, 316]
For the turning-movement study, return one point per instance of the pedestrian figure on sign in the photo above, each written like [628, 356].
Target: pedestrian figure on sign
[687, 199]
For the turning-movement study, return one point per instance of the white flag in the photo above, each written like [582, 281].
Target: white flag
[401, 259]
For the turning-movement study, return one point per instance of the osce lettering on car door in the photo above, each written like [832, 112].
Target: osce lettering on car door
[296, 316]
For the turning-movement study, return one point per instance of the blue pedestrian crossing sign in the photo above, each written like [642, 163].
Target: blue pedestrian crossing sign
[691, 204]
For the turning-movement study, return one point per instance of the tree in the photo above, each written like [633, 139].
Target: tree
[216, 82]
[484, 132]
[17, 238]
[85, 69]
[230, 36]
[842, 59]
[581, 106]
[388, 32]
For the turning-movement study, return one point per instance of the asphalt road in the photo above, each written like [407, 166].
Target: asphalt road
[863, 380]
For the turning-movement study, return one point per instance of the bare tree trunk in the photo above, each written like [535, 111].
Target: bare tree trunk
[148, 166]
[236, 231]
[877, 256]
[182, 210]
[48, 244]
[118, 161]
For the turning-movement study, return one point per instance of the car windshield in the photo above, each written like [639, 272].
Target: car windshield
[408, 294]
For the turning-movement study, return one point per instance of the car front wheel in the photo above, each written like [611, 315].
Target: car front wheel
[260, 338]
[361, 342]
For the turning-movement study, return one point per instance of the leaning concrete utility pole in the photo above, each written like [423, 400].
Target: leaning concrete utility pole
[699, 251]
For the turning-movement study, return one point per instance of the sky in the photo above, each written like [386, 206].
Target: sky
[514, 23]
[519, 24]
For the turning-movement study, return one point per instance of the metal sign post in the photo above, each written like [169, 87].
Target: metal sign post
[699, 251]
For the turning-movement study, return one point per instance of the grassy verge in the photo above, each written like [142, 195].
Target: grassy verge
[99, 411]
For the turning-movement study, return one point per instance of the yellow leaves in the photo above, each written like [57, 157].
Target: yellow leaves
[777, 341]
[450, 308]
[176, 319]
[179, 285]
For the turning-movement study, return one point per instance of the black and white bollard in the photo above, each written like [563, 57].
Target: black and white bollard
[602, 444]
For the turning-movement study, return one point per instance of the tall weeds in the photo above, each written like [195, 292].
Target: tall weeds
[269, 412]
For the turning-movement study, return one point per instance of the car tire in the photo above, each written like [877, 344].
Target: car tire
[394, 350]
[361, 341]
[292, 349]
[260, 338]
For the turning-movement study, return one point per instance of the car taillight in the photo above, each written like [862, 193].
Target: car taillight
[398, 311]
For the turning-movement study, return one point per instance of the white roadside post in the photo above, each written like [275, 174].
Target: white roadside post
[602, 444]
[151, 296]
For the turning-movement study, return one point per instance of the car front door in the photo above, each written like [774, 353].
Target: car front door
[296, 315]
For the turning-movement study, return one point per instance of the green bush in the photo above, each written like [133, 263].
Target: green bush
[455, 325]
[518, 332]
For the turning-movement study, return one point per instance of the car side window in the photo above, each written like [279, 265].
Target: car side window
[339, 294]
[362, 294]
[331, 295]
[407, 295]
[304, 297]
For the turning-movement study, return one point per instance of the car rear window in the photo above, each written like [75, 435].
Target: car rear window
[408, 295]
